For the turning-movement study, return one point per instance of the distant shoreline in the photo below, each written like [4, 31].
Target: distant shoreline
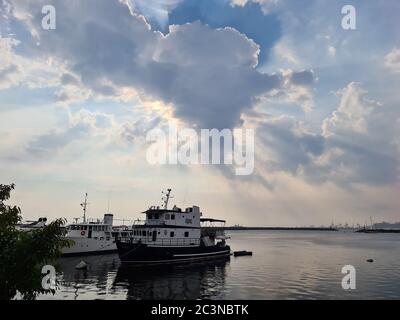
[282, 228]
[235, 228]
[378, 231]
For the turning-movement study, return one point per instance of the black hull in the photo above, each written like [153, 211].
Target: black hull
[142, 254]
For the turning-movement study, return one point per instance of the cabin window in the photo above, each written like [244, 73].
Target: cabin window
[172, 234]
[186, 234]
[156, 216]
[150, 216]
[188, 221]
[143, 233]
[167, 215]
[172, 217]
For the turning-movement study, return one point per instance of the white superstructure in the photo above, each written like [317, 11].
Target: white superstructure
[93, 237]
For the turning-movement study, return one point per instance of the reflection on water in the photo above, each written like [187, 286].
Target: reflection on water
[284, 265]
[200, 280]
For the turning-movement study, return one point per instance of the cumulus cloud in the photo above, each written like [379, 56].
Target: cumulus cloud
[202, 72]
[247, 17]
[356, 144]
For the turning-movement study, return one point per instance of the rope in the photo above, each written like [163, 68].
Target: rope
[126, 253]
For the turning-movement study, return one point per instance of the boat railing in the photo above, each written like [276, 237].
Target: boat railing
[212, 232]
[164, 242]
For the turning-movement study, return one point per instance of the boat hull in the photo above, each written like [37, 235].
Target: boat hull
[136, 253]
[85, 246]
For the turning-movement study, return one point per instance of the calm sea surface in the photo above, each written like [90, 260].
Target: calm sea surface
[284, 265]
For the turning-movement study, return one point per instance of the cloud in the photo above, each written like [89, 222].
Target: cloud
[356, 144]
[89, 132]
[360, 137]
[392, 60]
[16, 69]
[202, 72]
[10, 74]
[248, 18]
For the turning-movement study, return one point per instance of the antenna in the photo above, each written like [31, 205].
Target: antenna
[166, 197]
[84, 206]
[185, 194]
[108, 202]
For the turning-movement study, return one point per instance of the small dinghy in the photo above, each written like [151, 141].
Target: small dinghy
[242, 253]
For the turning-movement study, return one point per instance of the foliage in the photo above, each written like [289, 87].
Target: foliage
[24, 253]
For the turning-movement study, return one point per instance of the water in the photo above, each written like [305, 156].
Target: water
[284, 265]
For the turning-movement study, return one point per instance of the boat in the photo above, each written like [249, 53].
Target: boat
[32, 225]
[94, 236]
[173, 236]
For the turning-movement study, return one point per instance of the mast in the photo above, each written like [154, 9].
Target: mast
[84, 206]
[166, 198]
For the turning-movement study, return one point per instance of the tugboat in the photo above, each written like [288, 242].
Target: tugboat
[173, 236]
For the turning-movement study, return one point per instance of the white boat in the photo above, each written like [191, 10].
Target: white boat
[32, 225]
[94, 237]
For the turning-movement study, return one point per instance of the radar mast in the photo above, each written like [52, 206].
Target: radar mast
[166, 197]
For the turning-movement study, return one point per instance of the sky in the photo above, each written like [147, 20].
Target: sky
[77, 101]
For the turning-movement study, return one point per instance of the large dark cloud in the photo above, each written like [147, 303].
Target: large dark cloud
[208, 75]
